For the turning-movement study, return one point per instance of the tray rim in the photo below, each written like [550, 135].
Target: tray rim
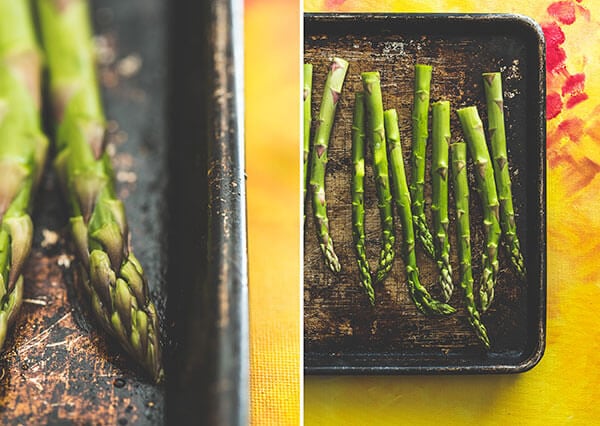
[530, 26]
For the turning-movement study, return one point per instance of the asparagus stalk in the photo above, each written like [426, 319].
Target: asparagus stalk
[329, 102]
[439, 204]
[358, 206]
[23, 149]
[461, 197]
[473, 130]
[495, 110]
[308, 68]
[375, 127]
[419, 294]
[112, 277]
[420, 133]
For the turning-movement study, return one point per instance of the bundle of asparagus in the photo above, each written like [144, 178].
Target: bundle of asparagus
[382, 132]
[23, 149]
[112, 276]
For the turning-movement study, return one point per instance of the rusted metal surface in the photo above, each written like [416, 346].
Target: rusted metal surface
[342, 333]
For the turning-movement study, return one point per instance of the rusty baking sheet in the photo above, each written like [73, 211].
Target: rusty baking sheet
[171, 85]
[342, 333]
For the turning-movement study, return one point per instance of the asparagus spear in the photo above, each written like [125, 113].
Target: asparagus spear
[461, 197]
[307, 121]
[419, 294]
[495, 109]
[358, 206]
[23, 149]
[375, 127]
[439, 205]
[473, 130]
[329, 102]
[420, 133]
[113, 278]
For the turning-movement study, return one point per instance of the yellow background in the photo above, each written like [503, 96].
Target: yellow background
[564, 388]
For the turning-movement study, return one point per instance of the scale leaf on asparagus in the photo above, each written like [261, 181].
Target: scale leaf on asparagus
[112, 277]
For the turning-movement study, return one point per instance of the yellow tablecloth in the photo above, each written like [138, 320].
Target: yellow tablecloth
[565, 387]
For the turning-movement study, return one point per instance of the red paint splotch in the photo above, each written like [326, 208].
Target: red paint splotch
[564, 11]
[555, 54]
[332, 4]
[572, 128]
[553, 105]
[574, 84]
[576, 99]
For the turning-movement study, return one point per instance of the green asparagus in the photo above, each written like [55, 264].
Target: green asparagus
[461, 197]
[112, 276]
[419, 294]
[358, 206]
[331, 95]
[439, 204]
[420, 133]
[495, 110]
[473, 130]
[23, 149]
[308, 68]
[375, 127]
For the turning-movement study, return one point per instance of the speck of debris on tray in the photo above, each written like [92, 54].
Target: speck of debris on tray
[105, 50]
[130, 65]
[64, 260]
[126, 177]
[50, 238]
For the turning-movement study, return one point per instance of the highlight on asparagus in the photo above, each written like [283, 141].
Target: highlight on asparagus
[23, 149]
[420, 133]
[112, 277]
[484, 176]
[419, 294]
[463, 230]
[307, 90]
[495, 110]
[331, 95]
[375, 128]
[358, 190]
[439, 204]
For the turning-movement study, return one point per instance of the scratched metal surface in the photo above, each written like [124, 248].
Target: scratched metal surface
[57, 368]
[342, 334]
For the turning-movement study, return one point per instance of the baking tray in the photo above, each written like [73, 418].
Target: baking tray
[342, 333]
[171, 82]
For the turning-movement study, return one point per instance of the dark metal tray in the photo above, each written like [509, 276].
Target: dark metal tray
[171, 78]
[342, 333]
